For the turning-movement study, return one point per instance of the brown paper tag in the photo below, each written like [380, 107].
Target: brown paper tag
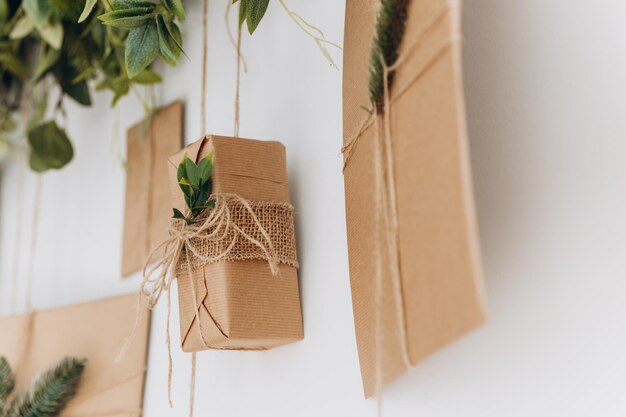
[97, 330]
[148, 208]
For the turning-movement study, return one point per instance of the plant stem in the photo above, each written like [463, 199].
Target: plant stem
[307, 28]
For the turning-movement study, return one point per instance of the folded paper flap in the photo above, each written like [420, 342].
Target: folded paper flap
[94, 331]
[211, 327]
[263, 160]
[185, 297]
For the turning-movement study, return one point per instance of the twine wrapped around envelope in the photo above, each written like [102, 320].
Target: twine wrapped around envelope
[386, 224]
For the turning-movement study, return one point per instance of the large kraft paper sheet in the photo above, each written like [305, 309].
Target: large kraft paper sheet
[95, 331]
[241, 305]
[147, 210]
[439, 251]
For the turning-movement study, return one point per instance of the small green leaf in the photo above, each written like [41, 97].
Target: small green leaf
[50, 147]
[47, 58]
[4, 10]
[129, 4]
[175, 7]
[181, 172]
[147, 76]
[40, 110]
[192, 173]
[89, 5]
[14, 64]
[205, 168]
[142, 46]
[52, 33]
[22, 28]
[178, 215]
[170, 51]
[127, 18]
[243, 11]
[37, 10]
[255, 12]
[78, 91]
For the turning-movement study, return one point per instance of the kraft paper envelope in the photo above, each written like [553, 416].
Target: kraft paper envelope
[95, 331]
[438, 244]
[147, 212]
[241, 304]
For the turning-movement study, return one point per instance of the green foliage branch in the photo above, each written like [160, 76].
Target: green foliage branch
[66, 44]
[195, 182]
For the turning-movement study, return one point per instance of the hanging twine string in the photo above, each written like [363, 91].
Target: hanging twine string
[20, 199]
[237, 84]
[386, 210]
[192, 383]
[33, 244]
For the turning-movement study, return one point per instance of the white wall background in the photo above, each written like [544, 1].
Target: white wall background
[546, 95]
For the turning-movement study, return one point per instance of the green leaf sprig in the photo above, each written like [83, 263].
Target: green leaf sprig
[49, 393]
[66, 43]
[195, 183]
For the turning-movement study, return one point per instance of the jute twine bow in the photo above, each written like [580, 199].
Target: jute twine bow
[386, 223]
[183, 249]
[186, 239]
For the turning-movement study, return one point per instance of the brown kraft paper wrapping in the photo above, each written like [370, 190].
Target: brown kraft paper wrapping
[241, 304]
[440, 269]
[147, 214]
[94, 331]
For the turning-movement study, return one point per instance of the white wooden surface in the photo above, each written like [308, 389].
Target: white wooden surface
[546, 101]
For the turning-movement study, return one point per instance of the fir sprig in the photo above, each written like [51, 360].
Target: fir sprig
[49, 393]
[390, 27]
[7, 382]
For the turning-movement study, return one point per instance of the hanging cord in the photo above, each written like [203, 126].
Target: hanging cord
[20, 201]
[237, 84]
[33, 244]
[205, 49]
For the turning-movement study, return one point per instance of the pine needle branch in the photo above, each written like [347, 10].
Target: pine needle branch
[7, 382]
[50, 392]
[390, 27]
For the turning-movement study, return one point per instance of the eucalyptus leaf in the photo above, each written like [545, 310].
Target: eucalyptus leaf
[50, 147]
[89, 5]
[47, 58]
[142, 47]
[175, 7]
